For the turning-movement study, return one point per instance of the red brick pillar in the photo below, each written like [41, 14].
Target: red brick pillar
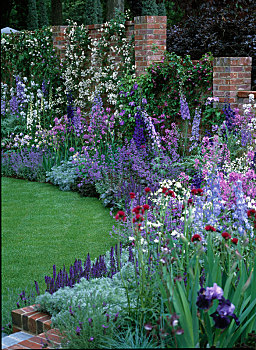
[149, 35]
[59, 41]
[230, 75]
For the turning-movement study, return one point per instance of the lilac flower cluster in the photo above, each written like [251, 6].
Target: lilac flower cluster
[240, 210]
[87, 270]
[138, 135]
[195, 130]
[27, 163]
[229, 117]
[184, 109]
[225, 309]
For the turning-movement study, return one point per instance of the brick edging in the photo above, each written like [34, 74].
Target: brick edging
[30, 320]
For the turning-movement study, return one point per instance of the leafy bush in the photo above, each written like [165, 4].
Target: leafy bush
[225, 28]
[161, 86]
[63, 175]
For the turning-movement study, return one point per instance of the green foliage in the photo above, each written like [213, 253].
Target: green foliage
[30, 55]
[42, 14]
[129, 339]
[63, 175]
[149, 8]
[84, 12]
[161, 86]
[161, 9]
[32, 20]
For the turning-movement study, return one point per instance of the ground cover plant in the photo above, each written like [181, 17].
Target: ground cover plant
[180, 183]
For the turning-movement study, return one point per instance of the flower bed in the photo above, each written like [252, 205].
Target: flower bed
[182, 192]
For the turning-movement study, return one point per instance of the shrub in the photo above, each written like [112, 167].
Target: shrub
[225, 28]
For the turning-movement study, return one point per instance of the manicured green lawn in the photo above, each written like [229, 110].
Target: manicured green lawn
[42, 226]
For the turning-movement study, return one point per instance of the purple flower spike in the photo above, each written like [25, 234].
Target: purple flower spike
[184, 110]
[78, 330]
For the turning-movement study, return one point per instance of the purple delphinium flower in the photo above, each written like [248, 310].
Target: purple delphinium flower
[239, 210]
[184, 110]
[138, 135]
[195, 129]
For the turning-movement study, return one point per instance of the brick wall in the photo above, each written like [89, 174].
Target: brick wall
[231, 75]
[150, 40]
[149, 33]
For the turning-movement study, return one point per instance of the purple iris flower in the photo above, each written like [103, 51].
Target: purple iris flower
[221, 316]
[214, 292]
[202, 302]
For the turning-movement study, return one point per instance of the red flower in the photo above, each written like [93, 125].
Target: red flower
[190, 201]
[171, 193]
[164, 189]
[250, 212]
[226, 235]
[146, 207]
[234, 240]
[196, 237]
[210, 228]
[120, 215]
[132, 195]
[197, 191]
[147, 190]
[137, 209]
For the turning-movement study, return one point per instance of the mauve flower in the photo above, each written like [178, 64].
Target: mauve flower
[234, 240]
[148, 326]
[71, 149]
[144, 101]
[91, 339]
[78, 330]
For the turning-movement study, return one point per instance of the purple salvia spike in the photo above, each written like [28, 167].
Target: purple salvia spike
[54, 271]
[37, 288]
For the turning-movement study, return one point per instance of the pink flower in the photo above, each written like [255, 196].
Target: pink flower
[71, 149]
